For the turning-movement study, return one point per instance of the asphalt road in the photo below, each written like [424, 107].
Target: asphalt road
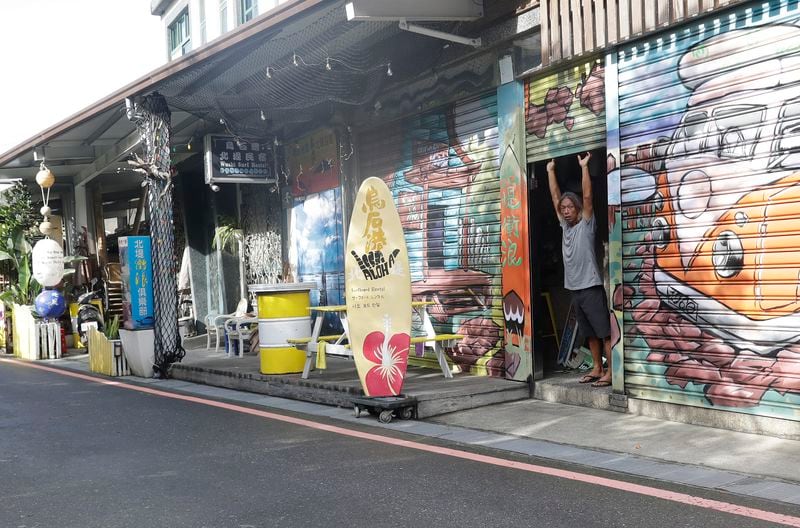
[74, 453]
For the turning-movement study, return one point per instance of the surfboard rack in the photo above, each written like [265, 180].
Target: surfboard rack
[386, 407]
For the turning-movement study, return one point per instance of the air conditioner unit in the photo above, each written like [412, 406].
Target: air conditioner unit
[414, 10]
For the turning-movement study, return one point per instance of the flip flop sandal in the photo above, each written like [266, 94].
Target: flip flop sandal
[588, 378]
[602, 383]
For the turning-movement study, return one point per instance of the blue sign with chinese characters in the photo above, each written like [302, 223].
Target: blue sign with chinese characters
[137, 282]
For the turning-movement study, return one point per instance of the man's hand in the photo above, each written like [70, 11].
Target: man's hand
[551, 166]
[583, 162]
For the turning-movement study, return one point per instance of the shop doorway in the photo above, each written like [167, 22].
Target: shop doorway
[551, 302]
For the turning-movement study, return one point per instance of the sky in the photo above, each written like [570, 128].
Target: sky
[57, 57]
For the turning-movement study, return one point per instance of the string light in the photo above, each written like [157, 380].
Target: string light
[298, 61]
[189, 144]
[261, 115]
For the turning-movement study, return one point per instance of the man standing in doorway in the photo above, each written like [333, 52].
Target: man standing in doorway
[581, 273]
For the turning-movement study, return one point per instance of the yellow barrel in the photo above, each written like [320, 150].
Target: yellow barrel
[282, 314]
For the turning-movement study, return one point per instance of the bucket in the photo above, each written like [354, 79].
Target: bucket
[282, 314]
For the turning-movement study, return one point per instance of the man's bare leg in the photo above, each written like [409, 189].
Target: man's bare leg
[606, 378]
[597, 359]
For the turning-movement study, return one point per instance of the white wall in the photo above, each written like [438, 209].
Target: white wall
[212, 18]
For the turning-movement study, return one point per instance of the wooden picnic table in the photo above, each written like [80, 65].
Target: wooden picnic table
[431, 339]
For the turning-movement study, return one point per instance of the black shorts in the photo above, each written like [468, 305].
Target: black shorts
[591, 310]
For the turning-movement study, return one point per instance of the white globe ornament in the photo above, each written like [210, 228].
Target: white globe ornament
[46, 228]
[45, 211]
[45, 178]
[48, 262]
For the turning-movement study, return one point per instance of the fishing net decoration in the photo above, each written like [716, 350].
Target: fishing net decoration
[151, 116]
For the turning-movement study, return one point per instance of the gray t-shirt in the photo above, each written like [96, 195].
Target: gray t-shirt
[577, 247]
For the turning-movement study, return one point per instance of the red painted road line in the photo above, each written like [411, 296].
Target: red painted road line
[649, 491]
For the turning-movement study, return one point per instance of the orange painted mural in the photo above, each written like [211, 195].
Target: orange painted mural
[710, 181]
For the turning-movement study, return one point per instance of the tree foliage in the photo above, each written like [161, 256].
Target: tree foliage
[17, 228]
[17, 214]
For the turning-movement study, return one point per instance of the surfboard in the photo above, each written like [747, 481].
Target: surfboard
[378, 291]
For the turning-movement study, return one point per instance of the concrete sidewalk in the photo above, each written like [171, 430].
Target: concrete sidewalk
[611, 432]
[746, 464]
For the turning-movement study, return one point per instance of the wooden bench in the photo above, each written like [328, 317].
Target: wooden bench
[439, 342]
[301, 343]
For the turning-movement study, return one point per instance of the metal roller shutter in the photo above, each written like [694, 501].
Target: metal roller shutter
[565, 111]
[442, 167]
[710, 129]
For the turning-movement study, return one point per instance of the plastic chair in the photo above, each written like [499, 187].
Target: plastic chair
[240, 329]
[215, 323]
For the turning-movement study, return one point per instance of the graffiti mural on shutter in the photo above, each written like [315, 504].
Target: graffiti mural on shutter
[565, 111]
[442, 168]
[710, 176]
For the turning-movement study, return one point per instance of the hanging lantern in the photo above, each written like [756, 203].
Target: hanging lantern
[48, 262]
[50, 304]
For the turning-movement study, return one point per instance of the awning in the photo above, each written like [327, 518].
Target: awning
[224, 80]
[297, 66]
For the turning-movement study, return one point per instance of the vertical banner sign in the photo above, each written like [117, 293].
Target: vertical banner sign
[137, 282]
[378, 291]
[514, 252]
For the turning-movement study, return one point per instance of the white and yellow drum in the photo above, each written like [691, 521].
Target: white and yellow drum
[282, 314]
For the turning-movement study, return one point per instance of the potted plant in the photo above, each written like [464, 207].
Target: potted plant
[228, 236]
[105, 350]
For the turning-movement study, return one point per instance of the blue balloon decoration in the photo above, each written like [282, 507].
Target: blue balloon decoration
[50, 304]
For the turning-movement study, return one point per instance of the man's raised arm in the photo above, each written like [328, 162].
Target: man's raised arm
[555, 191]
[586, 185]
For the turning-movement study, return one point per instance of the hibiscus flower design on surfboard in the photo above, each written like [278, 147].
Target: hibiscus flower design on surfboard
[378, 291]
[389, 353]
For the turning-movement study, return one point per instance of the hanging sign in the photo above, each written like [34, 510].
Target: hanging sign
[313, 162]
[48, 262]
[378, 291]
[232, 160]
[137, 282]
